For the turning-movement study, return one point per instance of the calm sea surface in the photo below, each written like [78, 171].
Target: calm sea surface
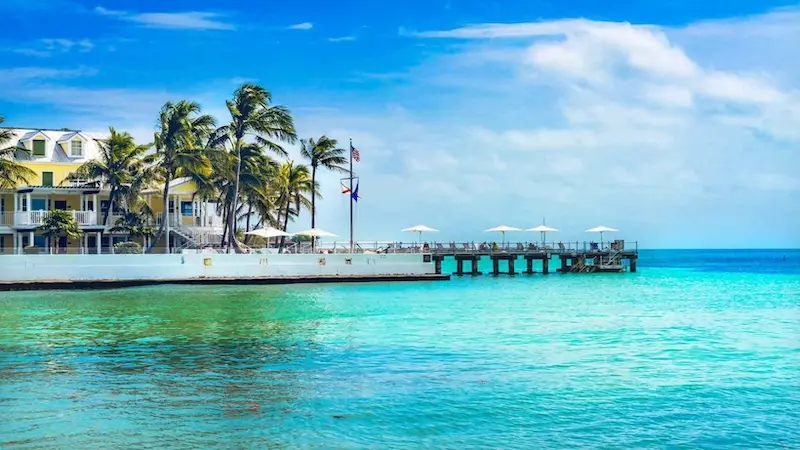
[700, 349]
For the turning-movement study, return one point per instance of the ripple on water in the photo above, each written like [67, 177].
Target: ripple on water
[663, 359]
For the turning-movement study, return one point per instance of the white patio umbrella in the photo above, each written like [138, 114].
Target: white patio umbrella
[503, 229]
[544, 229]
[601, 229]
[314, 233]
[269, 232]
[419, 229]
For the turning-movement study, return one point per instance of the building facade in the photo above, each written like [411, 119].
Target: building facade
[54, 155]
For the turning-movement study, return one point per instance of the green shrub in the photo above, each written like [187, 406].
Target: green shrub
[127, 248]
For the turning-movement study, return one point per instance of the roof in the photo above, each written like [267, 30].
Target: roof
[172, 184]
[53, 150]
[32, 134]
[69, 135]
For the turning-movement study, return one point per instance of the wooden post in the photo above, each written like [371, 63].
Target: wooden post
[511, 270]
[546, 264]
[437, 263]
[495, 266]
[633, 263]
[475, 260]
[564, 267]
[529, 265]
[459, 266]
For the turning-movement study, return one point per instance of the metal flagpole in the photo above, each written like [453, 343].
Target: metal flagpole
[351, 195]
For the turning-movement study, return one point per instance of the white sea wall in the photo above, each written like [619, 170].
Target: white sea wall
[26, 268]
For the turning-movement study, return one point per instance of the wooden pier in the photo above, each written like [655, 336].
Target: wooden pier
[573, 259]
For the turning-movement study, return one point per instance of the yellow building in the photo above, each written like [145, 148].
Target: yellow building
[55, 154]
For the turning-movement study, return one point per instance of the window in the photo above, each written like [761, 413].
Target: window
[186, 208]
[47, 178]
[38, 204]
[38, 147]
[76, 148]
[61, 204]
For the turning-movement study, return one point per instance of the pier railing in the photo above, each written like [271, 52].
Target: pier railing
[378, 247]
[452, 248]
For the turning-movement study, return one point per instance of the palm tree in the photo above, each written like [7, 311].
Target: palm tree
[179, 149]
[120, 166]
[134, 224]
[323, 154]
[252, 114]
[60, 223]
[293, 183]
[11, 173]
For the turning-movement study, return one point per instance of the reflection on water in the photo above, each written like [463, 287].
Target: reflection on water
[543, 362]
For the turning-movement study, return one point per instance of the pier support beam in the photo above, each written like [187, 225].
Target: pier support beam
[633, 264]
[528, 266]
[475, 271]
[511, 270]
[459, 267]
[546, 265]
[437, 263]
[495, 267]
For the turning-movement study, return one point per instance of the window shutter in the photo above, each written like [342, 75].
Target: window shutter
[38, 147]
[47, 178]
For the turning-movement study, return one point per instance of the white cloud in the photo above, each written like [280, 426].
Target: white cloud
[48, 47]
[301, 26]
[342, 39]
[189, 20]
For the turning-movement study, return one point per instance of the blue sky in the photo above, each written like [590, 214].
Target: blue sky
[676, 122]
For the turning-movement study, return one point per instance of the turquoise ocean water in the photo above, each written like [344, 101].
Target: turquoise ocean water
[700, 349]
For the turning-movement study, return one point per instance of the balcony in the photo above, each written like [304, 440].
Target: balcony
[37, 218]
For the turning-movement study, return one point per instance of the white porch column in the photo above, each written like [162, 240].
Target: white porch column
[30, 238]
[96, 207]
[98, 241]
[16, 202]
[28, 198]
[18, 242]
[166, 226]
[85, 243]
[82, 206]
[14, 239]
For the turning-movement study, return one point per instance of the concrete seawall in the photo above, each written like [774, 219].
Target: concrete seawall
[96, 271]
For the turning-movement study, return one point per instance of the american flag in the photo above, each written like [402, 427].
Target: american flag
[356, 155]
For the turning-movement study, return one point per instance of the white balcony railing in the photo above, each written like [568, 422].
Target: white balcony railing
[6, 219]
[36, 218]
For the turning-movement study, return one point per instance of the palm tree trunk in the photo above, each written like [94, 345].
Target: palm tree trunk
[313, 193]
[247, 226]
[111, 199]
[225, 227]
[163, 214]
[286, 222]
[232, 217]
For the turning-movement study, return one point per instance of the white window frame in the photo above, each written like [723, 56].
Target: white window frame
[72, 148]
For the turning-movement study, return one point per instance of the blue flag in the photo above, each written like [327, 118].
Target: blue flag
[354, 194]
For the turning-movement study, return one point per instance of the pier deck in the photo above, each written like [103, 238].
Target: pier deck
[573, 257]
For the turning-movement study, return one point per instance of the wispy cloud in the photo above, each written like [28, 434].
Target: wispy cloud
[25, 74]
[48, 47]
[301, 26]
[189, 20]
[342, 39]
[243, 80]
